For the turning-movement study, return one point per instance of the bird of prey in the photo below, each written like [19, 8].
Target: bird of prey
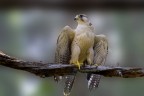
[76, 46]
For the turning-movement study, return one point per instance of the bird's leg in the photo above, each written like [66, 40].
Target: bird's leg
[78, 64]
[75, 55]
[96, 65]
[90, 56]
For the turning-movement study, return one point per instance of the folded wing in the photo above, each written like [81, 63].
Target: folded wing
[100, 54]
[63, 55]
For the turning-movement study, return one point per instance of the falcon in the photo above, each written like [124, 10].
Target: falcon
[80, 45]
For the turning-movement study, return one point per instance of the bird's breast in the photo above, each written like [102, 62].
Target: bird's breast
[85, 40]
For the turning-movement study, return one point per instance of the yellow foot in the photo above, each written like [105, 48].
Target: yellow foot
[78, 64]
[96, 65]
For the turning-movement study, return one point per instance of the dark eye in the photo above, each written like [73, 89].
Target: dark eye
[81, 16]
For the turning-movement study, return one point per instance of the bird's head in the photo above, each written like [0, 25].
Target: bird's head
[81, 19]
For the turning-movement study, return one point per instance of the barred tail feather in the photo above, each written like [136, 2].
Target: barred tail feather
[68, 84]
[93, 81]
[57, 78]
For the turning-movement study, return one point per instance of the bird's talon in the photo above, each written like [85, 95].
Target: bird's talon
[79, 64]
[96, 65]
[79, 67]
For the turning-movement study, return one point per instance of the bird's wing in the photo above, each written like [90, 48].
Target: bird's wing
[100, 54]
[100, 49]
[63, 50]
[63, 55]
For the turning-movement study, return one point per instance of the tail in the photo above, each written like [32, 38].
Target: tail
[68, 84]
[57, 78]
[93, 81]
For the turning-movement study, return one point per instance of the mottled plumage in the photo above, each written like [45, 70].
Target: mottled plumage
[80, 45]
[100, 54]
[63, 55]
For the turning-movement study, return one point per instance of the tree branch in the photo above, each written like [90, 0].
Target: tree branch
[51, 69]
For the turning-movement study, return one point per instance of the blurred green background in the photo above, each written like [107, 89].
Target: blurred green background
[30, 34]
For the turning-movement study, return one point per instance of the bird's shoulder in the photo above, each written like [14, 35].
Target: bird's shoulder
[101, 37]
[67, 28]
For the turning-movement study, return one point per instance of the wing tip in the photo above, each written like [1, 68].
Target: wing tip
[66, 93]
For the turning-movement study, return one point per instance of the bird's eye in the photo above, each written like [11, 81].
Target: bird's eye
[81, 16]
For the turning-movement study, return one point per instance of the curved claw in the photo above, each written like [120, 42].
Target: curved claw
[78, 64]
[96, 65]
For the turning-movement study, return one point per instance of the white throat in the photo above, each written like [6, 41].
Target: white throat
[82, 27]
